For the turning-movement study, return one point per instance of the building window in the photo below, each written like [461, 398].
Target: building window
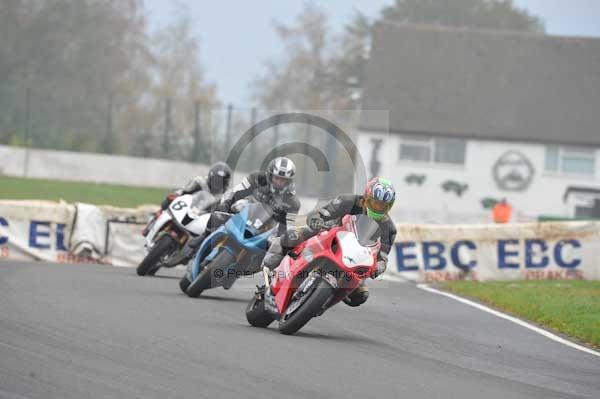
[416, 150]
[572, 160]
[450, 151]
[586, 212]
[438, 150]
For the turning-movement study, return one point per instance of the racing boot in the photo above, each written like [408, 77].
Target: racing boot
[190, 248]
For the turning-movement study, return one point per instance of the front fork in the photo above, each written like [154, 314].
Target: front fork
[265, 294]
[266, 275]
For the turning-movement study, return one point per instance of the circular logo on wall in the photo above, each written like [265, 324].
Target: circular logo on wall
[513, 171]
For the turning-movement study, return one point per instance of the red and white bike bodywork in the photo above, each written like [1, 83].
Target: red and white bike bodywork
[317, 274]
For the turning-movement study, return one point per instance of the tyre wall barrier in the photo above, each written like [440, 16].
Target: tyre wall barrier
[71, 233]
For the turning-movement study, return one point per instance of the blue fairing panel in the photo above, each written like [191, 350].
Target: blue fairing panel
[234, 229]
[237, 226]
[207, 249]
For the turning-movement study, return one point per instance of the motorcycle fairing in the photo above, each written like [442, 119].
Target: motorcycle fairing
[319, 250]
[234, 229]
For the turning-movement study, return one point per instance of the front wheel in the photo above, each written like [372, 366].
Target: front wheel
[184, 283]
[150, 264]
[257, 315]
[212, 275]
[311, 307]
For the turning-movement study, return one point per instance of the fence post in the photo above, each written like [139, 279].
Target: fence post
[228, 130]
[27, 116]
[196, 154]
[305, 160]
[276, 133]
[108, 147]
[329, 183]
[210, 135]
[27, 130]
[166, 140]
[253, 152]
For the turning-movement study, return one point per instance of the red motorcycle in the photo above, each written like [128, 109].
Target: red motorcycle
[316, 275]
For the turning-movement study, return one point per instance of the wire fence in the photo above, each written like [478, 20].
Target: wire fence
[182, 130]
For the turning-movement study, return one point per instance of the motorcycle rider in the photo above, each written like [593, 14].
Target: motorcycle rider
[376, 202]
[273, 187]
[216, 182]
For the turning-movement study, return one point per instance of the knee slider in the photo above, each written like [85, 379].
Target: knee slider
[358, 297]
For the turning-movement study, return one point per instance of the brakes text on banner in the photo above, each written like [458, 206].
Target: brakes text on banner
[510, 252]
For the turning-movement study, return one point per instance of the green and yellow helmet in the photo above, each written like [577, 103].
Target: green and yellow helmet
[379, 197]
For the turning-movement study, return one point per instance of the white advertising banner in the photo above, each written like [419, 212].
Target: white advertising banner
[71, 233]
[81, 233]
[530, 251]
[34, 230]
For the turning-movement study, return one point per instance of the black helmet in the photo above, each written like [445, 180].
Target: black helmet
[281, 172]
[219, 176]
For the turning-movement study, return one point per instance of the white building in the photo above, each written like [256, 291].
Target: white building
[477, 116]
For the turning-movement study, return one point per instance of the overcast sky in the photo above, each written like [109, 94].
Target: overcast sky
[237, 35]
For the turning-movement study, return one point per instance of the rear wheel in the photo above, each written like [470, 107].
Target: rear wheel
[212, 275]
[257, 315]
[151, 263]
[311, 307]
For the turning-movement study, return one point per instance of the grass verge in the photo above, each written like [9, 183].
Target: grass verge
[99, 194]
[569, 307]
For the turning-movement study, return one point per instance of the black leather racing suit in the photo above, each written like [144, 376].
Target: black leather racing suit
[333, 212]
[198, 183]
[342, 205]
[285, 204]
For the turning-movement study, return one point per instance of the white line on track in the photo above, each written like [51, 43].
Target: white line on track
[515, 320]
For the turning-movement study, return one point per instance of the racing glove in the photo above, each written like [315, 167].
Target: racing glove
[278, 207]
[315, 222]
[167, 201]
[222, 207]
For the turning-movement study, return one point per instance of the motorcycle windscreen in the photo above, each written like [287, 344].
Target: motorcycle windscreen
[201, 200]
[260, 218]
[367, 230]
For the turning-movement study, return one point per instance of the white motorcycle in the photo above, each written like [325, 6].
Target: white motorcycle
[166, 242]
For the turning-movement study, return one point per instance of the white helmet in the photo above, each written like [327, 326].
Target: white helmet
[281, 172]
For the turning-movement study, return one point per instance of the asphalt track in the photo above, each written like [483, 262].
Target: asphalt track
[84, 331]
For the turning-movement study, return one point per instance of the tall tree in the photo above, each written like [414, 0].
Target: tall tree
[70, 54]
[295, 80]
[177, 77]
[94, 72]
[349, 64]
[318, 72]
[490, 14]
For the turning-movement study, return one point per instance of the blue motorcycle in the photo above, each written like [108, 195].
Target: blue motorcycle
[235, 249]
